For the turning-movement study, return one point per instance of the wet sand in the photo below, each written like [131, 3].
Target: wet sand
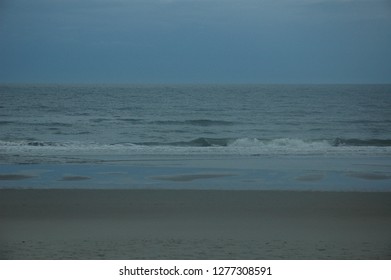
[194, 224]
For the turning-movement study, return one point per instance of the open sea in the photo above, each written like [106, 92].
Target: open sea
[298, 137]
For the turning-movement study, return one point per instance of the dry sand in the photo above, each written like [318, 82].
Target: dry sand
[164, 224]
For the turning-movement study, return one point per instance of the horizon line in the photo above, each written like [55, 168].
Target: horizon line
[182, 83]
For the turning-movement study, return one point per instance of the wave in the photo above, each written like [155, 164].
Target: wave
[6, 122]
[201, 146]
[196, 122]
[44, 144]
[105, 120]
[31, 143]
[199, 142]
[282, 142]
[219, 142]
[359, 142]
[48, 124]
[132, 120]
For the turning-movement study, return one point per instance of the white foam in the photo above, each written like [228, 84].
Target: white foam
[242, 146]
[281, 146]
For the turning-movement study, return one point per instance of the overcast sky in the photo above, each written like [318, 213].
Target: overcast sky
[195, 41]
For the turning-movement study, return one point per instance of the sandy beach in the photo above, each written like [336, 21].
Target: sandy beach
[184, 224]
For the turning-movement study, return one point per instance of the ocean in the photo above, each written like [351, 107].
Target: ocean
[297, 137]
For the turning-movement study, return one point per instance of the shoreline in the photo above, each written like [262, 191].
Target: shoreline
[241, 173]
[193, 224]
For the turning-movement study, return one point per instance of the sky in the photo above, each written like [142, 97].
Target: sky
[195, 41]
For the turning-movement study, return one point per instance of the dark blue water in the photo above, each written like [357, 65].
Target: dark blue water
[48, 123]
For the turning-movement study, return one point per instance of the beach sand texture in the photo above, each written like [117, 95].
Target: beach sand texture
[187, 224]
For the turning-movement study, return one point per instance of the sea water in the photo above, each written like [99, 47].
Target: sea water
[326, 137]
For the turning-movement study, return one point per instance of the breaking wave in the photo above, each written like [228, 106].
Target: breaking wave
[281, 142]
[201, 146]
